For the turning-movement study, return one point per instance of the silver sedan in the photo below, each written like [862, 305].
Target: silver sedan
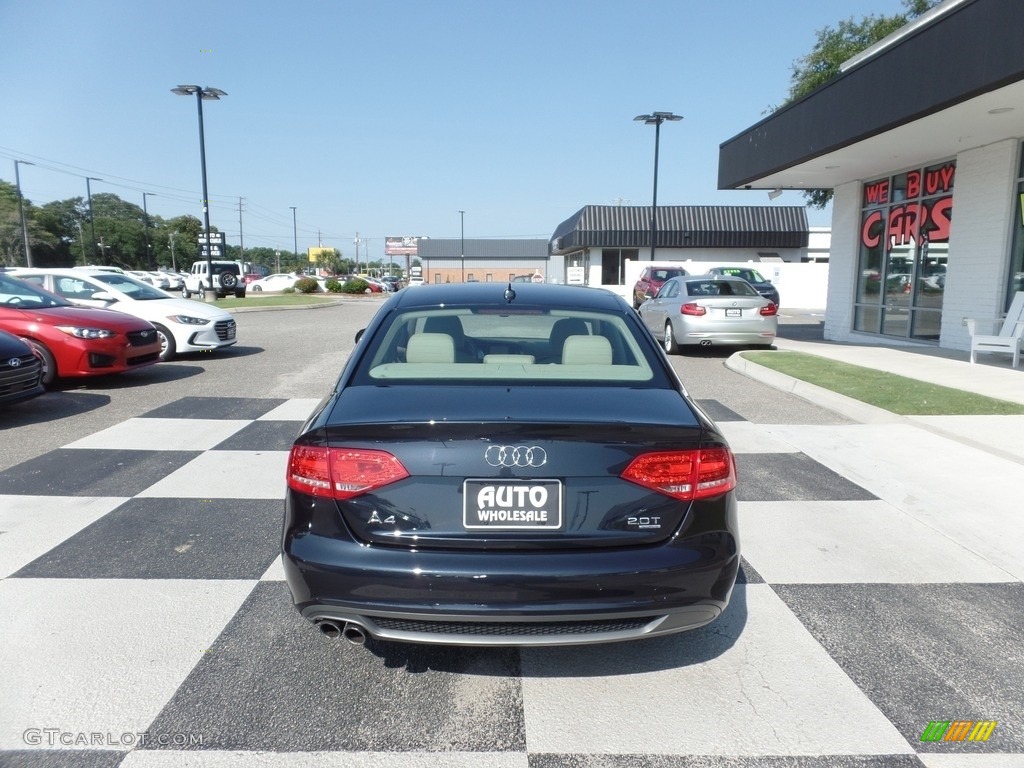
[707, 309]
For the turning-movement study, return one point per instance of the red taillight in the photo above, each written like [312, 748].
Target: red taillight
[341, 473]
[771, 309]
[686, 475]
[692, 309]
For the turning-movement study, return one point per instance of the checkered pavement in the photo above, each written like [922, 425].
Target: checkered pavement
[147, 624]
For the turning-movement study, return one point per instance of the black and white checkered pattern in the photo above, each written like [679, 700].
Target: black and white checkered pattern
[146, 622]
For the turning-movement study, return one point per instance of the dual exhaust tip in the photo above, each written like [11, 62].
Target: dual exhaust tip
[354, 633]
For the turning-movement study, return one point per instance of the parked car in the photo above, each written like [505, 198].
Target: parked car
[21, 370]
[706, 310]
[503, 500]
[651, 280]
[75, 341]
[182, 325]
[275, 282]
[415, 281]
[175, 281]
[761, 284]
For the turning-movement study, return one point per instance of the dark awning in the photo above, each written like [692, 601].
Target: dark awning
[683, 226]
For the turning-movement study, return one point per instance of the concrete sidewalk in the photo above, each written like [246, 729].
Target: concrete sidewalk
[992, 376]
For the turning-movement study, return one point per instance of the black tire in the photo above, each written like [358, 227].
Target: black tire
[228, 280]
[240, 294]
[186, 293]
[201, 293]
[257, 289]
[168, 349]
[669, 340]
[49, 363]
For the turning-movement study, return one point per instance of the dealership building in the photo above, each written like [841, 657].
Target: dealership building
[920, 138]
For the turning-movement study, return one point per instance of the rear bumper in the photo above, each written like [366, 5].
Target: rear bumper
[513, 597]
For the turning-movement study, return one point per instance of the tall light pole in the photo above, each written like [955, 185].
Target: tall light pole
[21, 211]
[149, 246]
[656, 119]
[212, 94]
[295, 238]
[462, 242]
[92, 221]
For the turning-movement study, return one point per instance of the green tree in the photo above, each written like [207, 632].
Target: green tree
[330, 262]
[834, 46]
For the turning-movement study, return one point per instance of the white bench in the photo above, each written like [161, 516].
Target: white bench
[1010, 338]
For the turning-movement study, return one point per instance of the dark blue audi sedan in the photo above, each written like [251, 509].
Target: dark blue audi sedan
[509, 465]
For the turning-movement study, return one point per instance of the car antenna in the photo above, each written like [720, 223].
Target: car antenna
[510, 295]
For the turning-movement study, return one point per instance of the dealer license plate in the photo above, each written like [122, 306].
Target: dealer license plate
[734, 313]
[504, 505]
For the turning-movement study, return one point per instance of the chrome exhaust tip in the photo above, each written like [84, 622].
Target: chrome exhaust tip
[329, 629]
[354, 633]
[705, 342]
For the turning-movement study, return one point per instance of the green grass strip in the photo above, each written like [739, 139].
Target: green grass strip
[897, 394]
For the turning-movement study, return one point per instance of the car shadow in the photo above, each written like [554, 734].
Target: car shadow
[153, 374]
[221, 352]
[631, 657]
[54, 405]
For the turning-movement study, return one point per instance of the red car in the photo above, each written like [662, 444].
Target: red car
[71, 340]
[651, 280]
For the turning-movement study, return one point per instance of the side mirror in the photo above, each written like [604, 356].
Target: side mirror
[359, 334]
[103, 296]
[648, 295]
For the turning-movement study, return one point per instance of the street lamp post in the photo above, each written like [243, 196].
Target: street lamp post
[212, 94]
[92, 221]
[656, 119]
[149, 246]
[21, 211]
[295, 240]
[462, 242]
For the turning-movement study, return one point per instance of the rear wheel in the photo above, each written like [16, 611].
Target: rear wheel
[186, 293]
[670, 340]
[49, 364]
[257, 289]
[201, 293]
[167, 345]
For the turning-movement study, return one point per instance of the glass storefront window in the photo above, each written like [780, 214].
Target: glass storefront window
[904, 236]
[1016, 281]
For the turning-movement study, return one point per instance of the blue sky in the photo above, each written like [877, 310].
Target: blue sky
[389, 117]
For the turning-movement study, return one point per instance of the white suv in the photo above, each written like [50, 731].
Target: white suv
[228, 279]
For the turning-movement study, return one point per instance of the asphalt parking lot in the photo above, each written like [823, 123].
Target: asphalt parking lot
[148, 623]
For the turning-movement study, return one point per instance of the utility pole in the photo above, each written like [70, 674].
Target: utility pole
[174, 261]
[241, 239]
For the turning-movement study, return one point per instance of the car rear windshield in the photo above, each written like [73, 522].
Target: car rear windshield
[523, 345]
[665, 274]
[712, 287]
[750, 275]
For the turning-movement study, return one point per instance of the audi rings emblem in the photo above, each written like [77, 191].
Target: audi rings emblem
[521, 456]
